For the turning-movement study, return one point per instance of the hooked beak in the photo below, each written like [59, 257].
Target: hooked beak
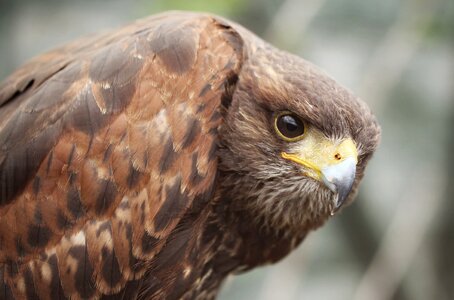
[339, 179]
[334, 164]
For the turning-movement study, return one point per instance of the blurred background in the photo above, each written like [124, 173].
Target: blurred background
[397, 240]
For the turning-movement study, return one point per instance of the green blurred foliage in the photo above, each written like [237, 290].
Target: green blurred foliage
[222, 7]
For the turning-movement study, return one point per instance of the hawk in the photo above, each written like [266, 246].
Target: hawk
[152, 161]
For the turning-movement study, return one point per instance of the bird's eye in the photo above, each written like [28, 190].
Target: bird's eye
[289, 126]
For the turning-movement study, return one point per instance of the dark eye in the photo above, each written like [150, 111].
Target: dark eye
[289, 126]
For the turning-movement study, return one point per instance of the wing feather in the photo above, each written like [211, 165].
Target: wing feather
[106, 143]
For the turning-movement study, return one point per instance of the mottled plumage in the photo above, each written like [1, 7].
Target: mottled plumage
[143, 163]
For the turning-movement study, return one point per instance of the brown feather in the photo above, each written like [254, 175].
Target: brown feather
[95, 116]
[133, 164]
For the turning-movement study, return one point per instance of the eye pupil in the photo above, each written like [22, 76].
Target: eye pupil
[290, 123]
[290, 126]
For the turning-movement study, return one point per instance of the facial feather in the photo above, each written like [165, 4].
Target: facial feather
[275, 192]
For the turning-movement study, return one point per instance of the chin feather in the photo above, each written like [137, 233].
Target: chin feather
[285, 204]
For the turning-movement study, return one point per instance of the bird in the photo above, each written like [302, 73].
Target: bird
[154, 160]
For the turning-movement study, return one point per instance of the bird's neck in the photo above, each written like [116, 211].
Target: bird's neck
[231, 242]
[244, 240]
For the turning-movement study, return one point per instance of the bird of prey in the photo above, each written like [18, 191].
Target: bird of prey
[153, 161]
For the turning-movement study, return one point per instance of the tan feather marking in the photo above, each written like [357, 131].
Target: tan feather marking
[46, 273]
[140, 149]
[45, 276]
[42, 278]
[182, 121]
[145, 243]
[97, 90]
[101, 252]
[98, 190]
[187, 270]
[175, 200]
[76, 271]
[130, 266]
[20, 286]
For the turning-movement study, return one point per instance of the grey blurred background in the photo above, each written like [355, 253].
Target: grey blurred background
[397, 240]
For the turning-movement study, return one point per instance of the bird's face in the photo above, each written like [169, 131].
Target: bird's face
[294, 144]
[330, 161]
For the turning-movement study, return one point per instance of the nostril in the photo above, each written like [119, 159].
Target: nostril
[338, 156]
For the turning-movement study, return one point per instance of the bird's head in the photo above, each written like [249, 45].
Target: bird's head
[294, 143]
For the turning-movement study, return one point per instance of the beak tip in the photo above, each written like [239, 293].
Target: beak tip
[339, 179]
[342, 195]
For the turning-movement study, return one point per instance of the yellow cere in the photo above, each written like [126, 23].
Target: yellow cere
[316, 152]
